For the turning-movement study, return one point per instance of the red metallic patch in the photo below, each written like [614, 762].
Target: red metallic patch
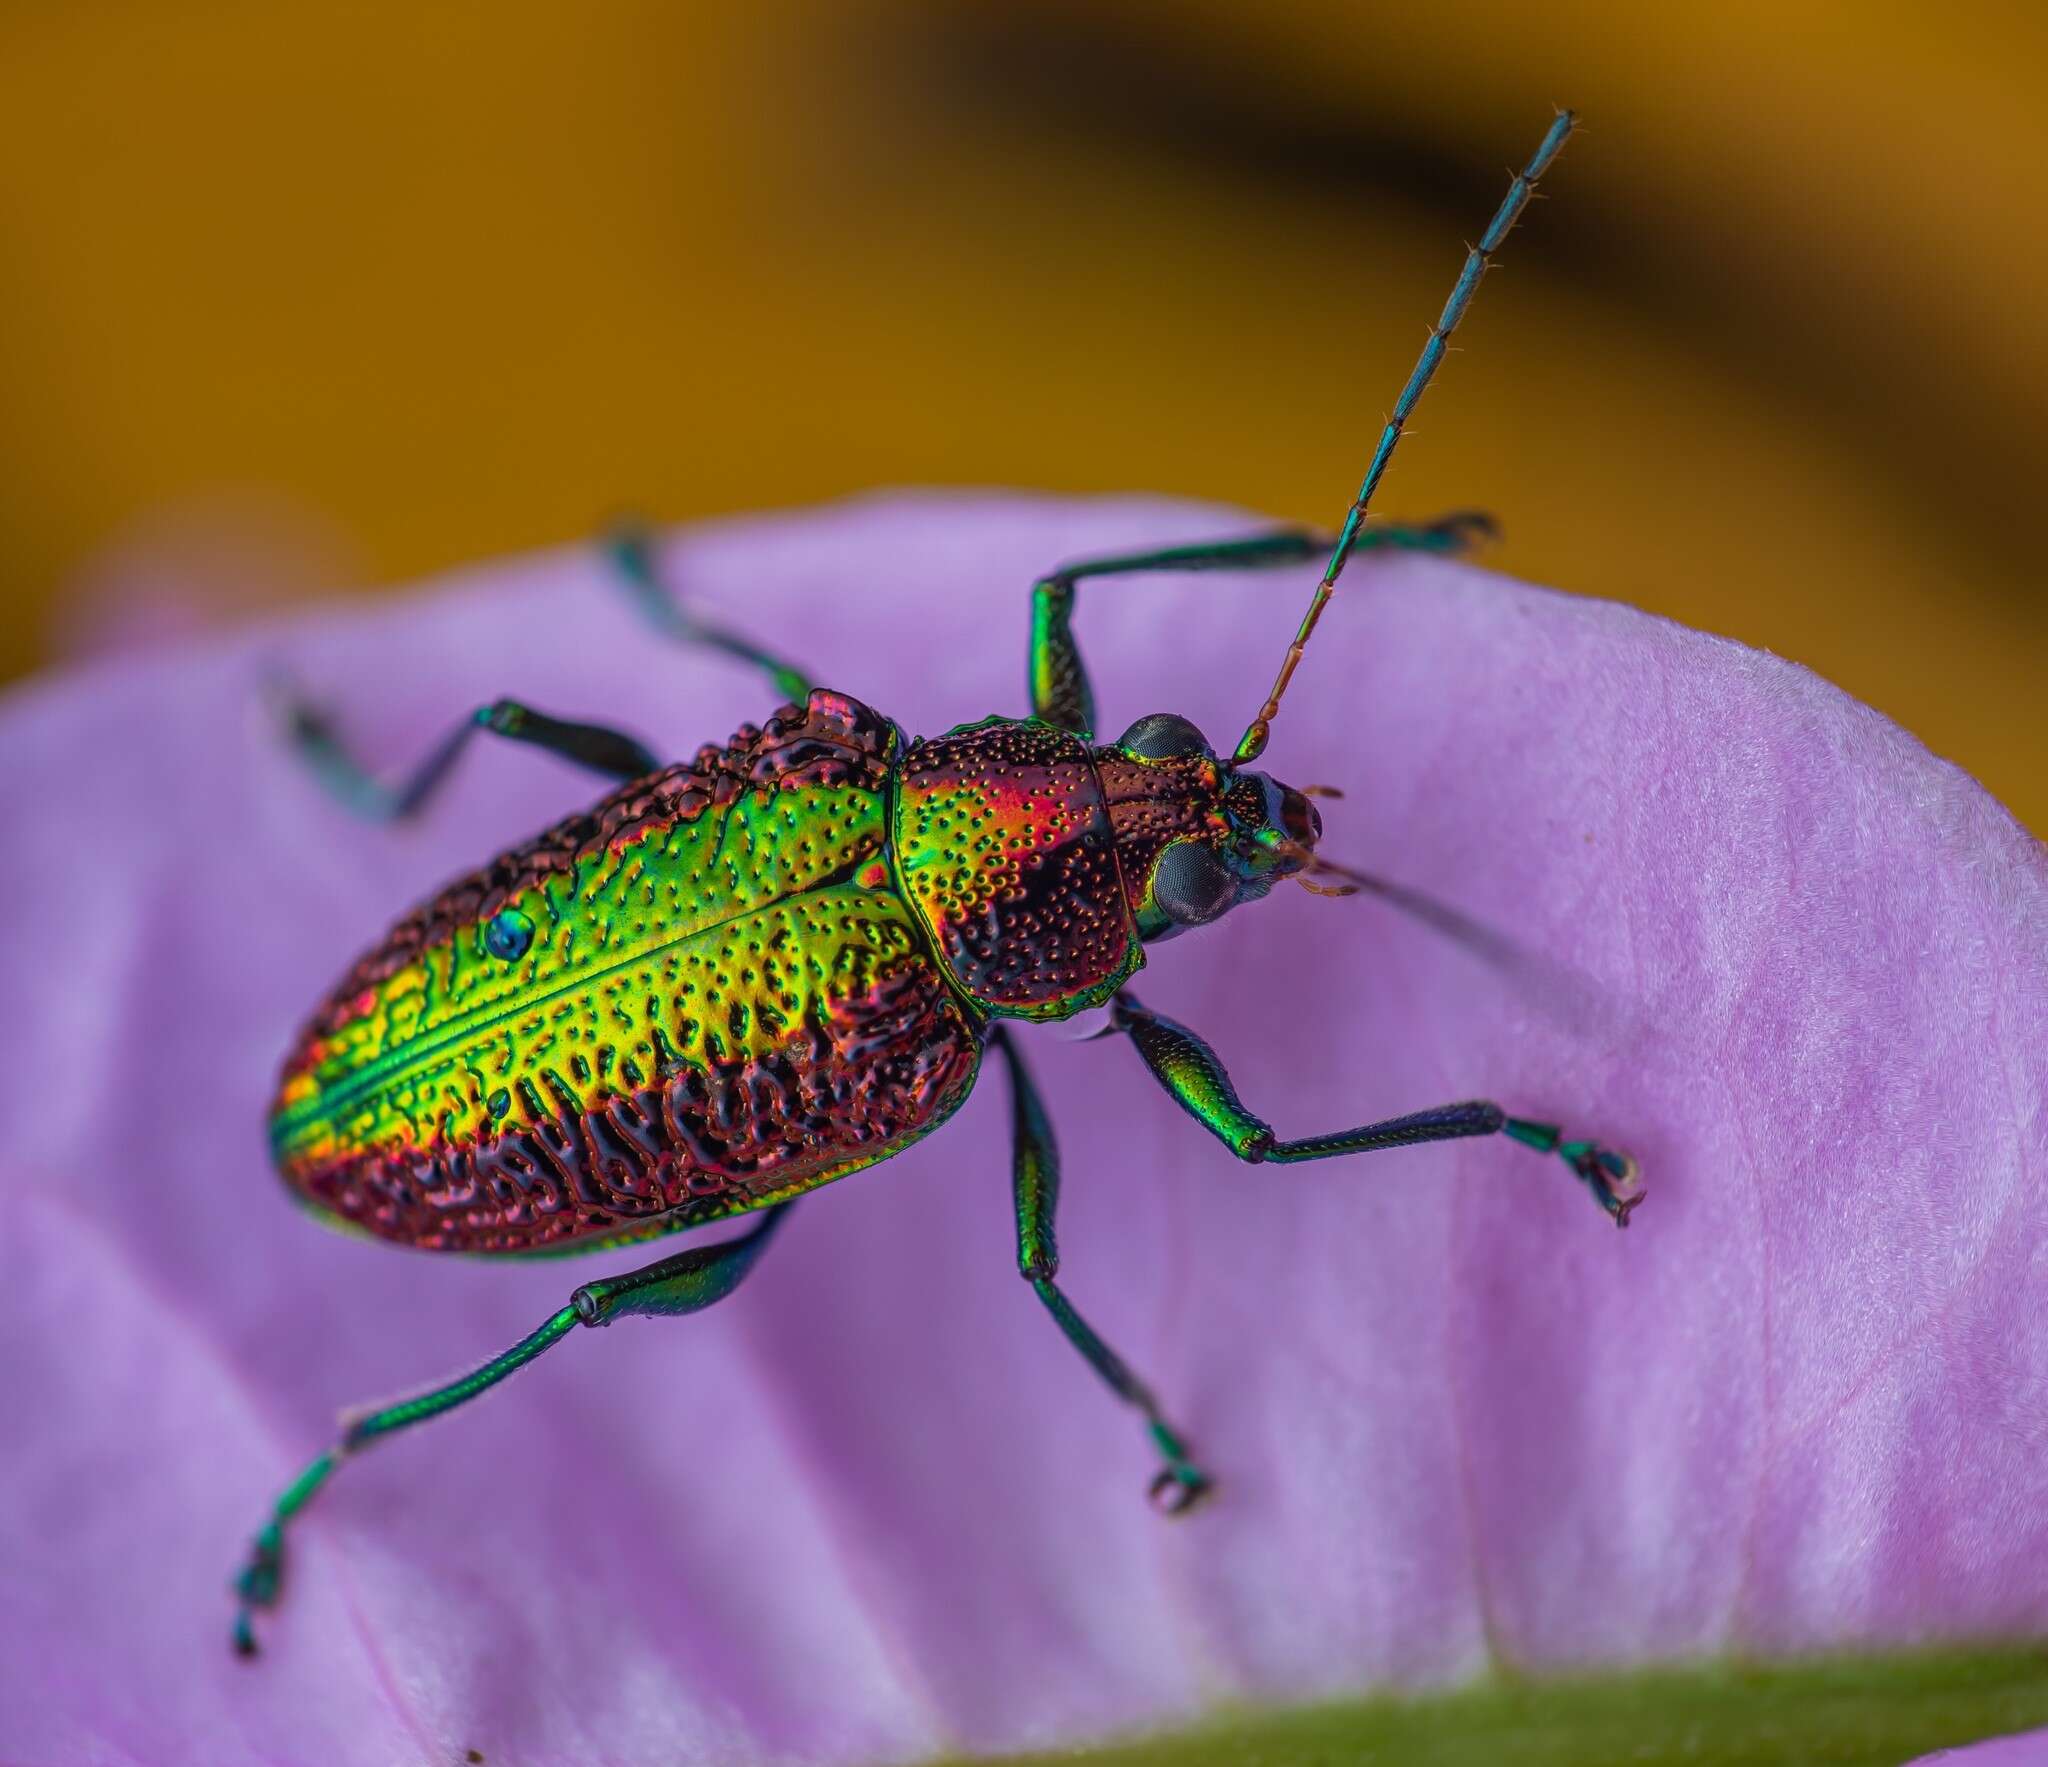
[1004, 845]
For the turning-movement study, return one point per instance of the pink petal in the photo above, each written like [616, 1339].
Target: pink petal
[875, 1506]
[2028, 1750]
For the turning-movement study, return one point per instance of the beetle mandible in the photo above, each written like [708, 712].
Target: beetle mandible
[784, 960]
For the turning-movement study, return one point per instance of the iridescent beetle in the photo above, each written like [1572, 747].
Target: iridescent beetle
[744, 976]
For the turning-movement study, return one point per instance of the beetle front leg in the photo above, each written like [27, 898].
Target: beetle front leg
[1189, 1070]
[310, 731]
[1059, 679]
[684, 1283]
[1179, 1484]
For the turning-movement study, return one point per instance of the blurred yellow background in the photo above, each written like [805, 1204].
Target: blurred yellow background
[353, 294]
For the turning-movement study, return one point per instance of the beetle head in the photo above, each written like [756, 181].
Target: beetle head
[1195, 836]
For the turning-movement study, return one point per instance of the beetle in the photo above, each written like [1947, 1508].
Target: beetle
[743, 976]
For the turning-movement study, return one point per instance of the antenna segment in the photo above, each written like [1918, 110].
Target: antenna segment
[1252, 744]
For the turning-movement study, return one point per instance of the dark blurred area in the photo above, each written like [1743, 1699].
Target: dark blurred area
[298, 301]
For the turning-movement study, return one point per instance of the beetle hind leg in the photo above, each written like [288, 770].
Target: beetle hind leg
[1179, 1484]
[685, 1283]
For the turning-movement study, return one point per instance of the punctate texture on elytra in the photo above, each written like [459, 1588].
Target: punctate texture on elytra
[874, 1506]
[730, 1004]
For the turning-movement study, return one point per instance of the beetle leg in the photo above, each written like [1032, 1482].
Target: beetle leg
[684, 1283]
[311, 733]
[1180, 1484]
[1189, 1070]
[631, 548]
[1059, 680]
[1453, 535]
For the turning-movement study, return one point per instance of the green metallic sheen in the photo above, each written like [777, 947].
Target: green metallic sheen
[728, 1000]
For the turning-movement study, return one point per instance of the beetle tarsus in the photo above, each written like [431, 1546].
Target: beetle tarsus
[1179, 1488]
[1615, 1180]
[257, 1583]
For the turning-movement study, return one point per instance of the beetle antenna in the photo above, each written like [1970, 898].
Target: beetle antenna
[1252, 744]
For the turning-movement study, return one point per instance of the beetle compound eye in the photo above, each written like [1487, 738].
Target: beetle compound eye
[1191, 884]
[1162, 736]
[509, 935]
